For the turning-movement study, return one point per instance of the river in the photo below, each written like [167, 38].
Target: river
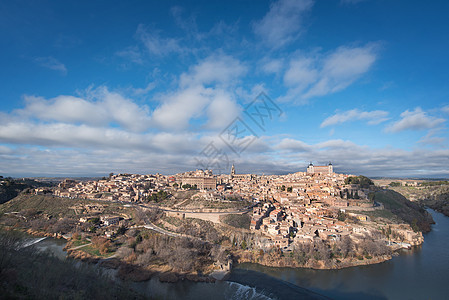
[420, 273]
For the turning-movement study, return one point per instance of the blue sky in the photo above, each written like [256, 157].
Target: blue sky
[92, 87]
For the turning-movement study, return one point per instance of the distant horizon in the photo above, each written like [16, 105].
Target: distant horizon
[268, 174]
[268, 85]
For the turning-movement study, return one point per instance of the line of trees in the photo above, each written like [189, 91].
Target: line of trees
[367, 247]
[188, 186]
[158, 197]
[363, 181]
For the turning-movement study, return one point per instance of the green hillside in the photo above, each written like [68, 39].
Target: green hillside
[408, 211]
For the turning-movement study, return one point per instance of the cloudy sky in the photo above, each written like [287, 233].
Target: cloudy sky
[92, 87]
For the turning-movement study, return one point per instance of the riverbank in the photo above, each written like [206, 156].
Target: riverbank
[419, 273]
[136, 273]
[287, 261]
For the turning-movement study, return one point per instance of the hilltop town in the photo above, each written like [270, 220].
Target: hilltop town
[286, 209]
[317, 218]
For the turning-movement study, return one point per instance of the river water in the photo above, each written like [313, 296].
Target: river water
[420, 273]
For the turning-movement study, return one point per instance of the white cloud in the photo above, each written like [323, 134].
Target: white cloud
[301, 74]
[155, 44]
[179, 108]
[142, 91]
[342, 68]
[283, 22]
[188, 24]
[202, 90]
[52, 64]
[68, 149]
[105, 108]
[293, 145]
[372, 117]
[446, 109]
[131, 53]
[222, 110]
[218, 68]
[348, 157]
[431, 138]
[272, 66]
[34, 161]
[415, 120]
[314, 76]
[88, 137]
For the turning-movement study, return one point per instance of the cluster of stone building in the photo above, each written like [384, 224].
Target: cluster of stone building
[305, 206]
[121, 187]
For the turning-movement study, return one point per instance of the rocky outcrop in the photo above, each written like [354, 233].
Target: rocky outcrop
[173, 277]
[43, 233]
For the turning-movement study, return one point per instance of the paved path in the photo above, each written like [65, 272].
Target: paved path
[160, 230]
[80, 246]
[151, 226]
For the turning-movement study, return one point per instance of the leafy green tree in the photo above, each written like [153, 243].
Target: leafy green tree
[95, 221]
[341, 216]
[121, 230]
[363, 181]
[243, 245]
[414, 225]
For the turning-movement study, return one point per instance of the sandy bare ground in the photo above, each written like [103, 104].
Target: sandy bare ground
[213, 217]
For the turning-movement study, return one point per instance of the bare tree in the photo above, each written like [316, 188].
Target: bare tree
[346, 246]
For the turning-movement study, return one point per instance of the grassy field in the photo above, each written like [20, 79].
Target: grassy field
[201, 203]
[172, 220]
[388, 199]
[94, 251]
[56, 206]
[386, 214]
[78, 243]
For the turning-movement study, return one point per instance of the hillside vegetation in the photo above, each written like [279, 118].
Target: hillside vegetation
[408, 211]
[51, 205]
